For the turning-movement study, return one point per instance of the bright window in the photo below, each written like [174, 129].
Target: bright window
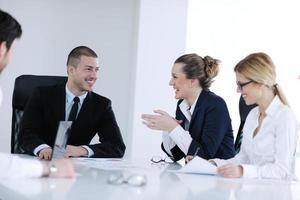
[229, 30]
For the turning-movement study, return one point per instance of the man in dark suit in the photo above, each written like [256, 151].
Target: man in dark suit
[91, 114]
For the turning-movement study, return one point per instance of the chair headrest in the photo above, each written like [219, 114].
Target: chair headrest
[25, 85]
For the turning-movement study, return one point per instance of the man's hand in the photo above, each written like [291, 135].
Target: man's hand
[75, 151]
[45, 153]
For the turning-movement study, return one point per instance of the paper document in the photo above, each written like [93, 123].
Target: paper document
[108, 163]
[199, 166]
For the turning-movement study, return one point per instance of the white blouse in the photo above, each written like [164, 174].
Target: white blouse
[11, 166]
[179, 136]
[271, 153]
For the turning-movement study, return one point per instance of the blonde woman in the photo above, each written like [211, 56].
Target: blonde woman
[270, 130]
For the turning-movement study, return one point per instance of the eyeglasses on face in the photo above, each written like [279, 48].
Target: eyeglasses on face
[240, 85]
[158, 159]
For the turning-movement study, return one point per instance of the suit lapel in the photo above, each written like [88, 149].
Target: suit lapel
[180, 115]
[84, 110]
[199, 102]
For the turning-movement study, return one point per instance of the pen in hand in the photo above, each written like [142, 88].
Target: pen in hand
[196, 152]
[190, 157]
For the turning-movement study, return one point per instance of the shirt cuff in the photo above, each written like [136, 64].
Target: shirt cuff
[89, 150]
[39, 148]
[182, 138]
[167, 142]
[250, 171]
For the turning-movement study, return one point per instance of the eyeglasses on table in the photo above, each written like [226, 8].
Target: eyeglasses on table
[132, 179]
[159, 159]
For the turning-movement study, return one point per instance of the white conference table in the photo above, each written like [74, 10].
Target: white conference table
[93, 174]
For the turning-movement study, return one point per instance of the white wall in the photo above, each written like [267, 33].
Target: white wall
[52, 28]
[230, 30]
[137, 41]
[161, 39]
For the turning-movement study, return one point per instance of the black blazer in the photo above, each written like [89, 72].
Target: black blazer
[210, 128]
[46, 108]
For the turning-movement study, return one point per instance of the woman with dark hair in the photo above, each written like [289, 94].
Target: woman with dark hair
[202, 125]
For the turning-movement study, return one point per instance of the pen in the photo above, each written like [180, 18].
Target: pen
[189, 158]
[196, 152]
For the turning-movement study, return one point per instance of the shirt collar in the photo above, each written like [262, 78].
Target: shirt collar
[273, 107]
[185, 106]
[70, 96]
[194, 104]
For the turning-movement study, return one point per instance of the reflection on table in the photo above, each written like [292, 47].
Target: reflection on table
[92, 182]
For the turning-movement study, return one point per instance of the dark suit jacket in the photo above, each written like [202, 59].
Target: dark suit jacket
[46, 108]
[210, 128]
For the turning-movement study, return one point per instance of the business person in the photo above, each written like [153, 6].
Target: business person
[202, 123]
[12, 166]
[74, 101]
[270, 130]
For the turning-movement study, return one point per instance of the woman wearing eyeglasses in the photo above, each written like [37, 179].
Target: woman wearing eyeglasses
[202, 124]
[270, 131]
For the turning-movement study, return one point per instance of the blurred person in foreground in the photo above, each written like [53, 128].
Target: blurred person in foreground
[12, 166]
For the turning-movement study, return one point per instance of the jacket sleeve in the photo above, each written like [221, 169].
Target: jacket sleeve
[177, 153]
[111, 142]
[216, 124]
[31, 124]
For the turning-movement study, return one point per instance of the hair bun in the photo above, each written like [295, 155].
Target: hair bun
[211, 66]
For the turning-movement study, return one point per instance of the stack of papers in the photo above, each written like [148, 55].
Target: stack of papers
[198, 166]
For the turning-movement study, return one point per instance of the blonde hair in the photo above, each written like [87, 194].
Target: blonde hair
[260, 68]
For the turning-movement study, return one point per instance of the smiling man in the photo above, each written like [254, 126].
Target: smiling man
[75, 101]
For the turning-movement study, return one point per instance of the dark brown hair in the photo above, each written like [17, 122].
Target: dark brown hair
[196, 67]
[10, 29]
[76, 53]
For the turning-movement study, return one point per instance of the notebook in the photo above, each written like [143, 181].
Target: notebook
[61, 139]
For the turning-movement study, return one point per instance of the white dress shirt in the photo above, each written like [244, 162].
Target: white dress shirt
[13, 166]
[1, 96]
[179, 136]
[69, 103]
[271, 153]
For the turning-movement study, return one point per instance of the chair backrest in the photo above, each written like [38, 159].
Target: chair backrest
[24, 86]
[244, 110]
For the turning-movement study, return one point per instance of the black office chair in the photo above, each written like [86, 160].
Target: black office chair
[24, 86]
[244, 110]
